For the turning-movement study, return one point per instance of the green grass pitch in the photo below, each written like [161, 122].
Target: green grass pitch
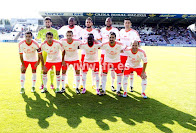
[170, 107]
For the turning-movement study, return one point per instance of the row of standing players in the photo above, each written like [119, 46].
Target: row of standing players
[125, 53]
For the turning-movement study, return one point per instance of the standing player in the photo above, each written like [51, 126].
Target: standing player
[52, 48]
[127, 36]
[105, 31]
[70, 57]
[112, 60]
[76, 35]
[90, 60]
[84, 33]
[27, 50]
[135, 55]
[42, 35]
[71, 27]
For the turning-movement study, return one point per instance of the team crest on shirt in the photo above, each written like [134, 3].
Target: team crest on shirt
[113, 53]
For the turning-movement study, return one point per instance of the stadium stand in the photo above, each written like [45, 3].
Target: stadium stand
[154, 29]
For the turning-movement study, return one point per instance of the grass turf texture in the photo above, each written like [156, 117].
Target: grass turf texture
[169, 108]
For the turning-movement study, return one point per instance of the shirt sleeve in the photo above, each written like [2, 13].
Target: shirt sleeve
[137, 37]
[123, 46]
[37, 48]
[103, 46]
[144, 57]
[81, 46]
[39, 34]
[56, 35]
[80, 31]
[42, 48]
[97, 35]
[117, 34]
[60, 31]
[20, 48]
[61, 47]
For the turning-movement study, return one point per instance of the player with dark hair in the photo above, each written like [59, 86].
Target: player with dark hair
[52, 48]
[90, 60]
[112, 49]
[105, 31]
[127, 36]
[84, 33]
[42, 35]
[27, 50]
[76, 35]
[70, 57]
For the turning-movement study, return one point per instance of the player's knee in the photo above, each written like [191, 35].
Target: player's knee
[23, 71]
[77, 71]
[63, 71]
[44, 72]
[57, 72]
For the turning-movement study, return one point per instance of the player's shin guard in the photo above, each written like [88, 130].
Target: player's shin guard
[22, 79]
[81, 83]
[103, 81]
[45, 79]
[77, 76]
[119, 76]
[131, 79]
[144, 83]
[58, 81]
[84, 79]
[66, 79]
[63, 80]
[112, 76]
[97, 79]
[93, 78]
[52, 75]
[125, 82]
[33, 79]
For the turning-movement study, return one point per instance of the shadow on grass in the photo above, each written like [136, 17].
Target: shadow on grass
[131, 109]
[38, 109]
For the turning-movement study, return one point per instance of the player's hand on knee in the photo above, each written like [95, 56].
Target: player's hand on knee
[44, 68]
[23, 68]
[143, 75]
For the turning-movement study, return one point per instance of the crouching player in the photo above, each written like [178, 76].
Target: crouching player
[90, 61]
[133, 63]
[52, 48]
[27, 50]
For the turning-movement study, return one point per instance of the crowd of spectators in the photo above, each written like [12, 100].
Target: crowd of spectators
[149, 34]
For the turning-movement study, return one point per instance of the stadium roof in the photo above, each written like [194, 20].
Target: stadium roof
[136, 18]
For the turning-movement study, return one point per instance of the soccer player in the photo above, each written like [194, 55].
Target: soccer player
[70, 57]
[76, 35]
[127, 36]
[105, 31]
[71, 27]
[27, 50]
[52, 48]
[90, 60]
[42, 35]
[84, 33]
[135, 55]
[112, 60]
